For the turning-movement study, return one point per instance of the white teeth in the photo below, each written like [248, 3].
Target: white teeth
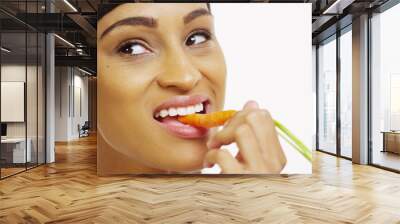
[172, 111]
[190, 110]
[181, 111]
[163, 113]
[198, 107]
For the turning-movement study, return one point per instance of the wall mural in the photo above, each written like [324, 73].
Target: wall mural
[182, 90]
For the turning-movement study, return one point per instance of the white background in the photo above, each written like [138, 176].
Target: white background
[267, 50]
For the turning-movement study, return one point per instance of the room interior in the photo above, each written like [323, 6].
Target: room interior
[49, 113]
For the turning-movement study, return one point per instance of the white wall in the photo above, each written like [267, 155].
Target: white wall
[62, 80]
[12, 73]
[80, 100]
[12, 101]
[82, 83]
[70, 83]
[268, 52]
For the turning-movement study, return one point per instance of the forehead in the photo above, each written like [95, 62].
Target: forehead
[155, 10]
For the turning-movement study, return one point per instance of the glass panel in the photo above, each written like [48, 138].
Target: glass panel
[13, 90]
[41, 98]
[346, 94]
[327, 96]
[22, 88]
[385, 89]
[31, 101]
[32, 90]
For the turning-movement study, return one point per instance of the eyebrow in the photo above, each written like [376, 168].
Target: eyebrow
[151, 22]
[194, 14]
[132, 21]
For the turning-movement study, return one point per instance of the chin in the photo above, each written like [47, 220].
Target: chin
[187, 167]
[184, 159]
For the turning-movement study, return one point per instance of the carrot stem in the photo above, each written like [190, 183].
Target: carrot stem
[294, 141]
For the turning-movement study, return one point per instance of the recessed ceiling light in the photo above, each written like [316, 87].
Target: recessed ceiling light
[84, 71]
[5, 50]
[70, 5]
[338, 6]
[65, 41]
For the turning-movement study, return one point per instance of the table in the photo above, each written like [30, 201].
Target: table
[391, 141]
[13, 150]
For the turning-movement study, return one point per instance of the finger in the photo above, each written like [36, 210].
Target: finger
[237, 120]
[239, 157]
[226, 135]
[224, 159]
[249, 148]
[263, 127]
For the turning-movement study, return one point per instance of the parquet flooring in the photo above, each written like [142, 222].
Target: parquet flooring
[69, 191]
[10, 171]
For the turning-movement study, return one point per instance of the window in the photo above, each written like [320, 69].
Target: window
[346, 92]
[385, 89]
[327, 96]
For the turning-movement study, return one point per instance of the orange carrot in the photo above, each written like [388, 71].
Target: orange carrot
[208, 120]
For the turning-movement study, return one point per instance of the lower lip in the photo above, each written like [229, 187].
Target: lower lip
[183, 130]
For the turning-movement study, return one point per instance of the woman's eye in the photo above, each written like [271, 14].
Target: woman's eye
[197, 38]
[133, 49]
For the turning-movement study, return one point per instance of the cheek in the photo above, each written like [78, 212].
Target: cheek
[122, 94]
[213, 67]
[122, 91]
[124, 81]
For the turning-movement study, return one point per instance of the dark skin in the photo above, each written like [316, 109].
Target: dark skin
[164, 51]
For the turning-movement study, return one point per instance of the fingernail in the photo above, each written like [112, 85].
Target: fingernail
[251, 104]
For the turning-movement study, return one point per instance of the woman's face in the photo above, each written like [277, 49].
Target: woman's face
[156, 61]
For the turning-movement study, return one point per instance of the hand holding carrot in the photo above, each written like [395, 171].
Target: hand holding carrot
[219, 118]
[253, 130]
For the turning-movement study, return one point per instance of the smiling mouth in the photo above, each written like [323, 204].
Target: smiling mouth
[175, 112]
[167, 115]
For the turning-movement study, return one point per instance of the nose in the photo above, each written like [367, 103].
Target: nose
[179, 72]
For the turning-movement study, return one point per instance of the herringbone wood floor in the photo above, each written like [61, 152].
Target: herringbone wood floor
[70, 192]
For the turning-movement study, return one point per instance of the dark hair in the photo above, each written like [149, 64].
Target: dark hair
[108, 7]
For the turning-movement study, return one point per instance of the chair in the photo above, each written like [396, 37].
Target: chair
[84, 130]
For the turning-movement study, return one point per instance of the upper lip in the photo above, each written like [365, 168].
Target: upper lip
[181, 101]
